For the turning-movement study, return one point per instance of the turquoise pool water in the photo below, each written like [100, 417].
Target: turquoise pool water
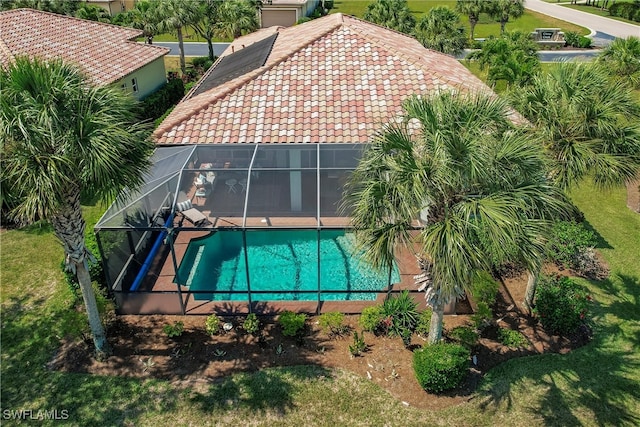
[281, 262]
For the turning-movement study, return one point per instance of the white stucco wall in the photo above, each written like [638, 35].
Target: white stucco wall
[150, 77]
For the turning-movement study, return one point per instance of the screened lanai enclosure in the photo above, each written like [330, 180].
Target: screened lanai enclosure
[238, 228]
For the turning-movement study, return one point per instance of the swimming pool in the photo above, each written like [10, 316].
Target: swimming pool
[283, 264]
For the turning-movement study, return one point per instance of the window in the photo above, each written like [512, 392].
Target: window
[134, 85]
[123, 86]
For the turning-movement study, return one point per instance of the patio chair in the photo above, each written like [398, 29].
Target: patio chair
[191, 214]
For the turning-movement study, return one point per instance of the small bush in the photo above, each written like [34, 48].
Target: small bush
[402, 311]
[424, 323]
[174, 330]
[484, 288]
[370, 318]
[155, 105]
[464, 335]
[568, 240]
[571, 39]
[332, 323]
[561, 304]
[212, 325]
[440, 367]
[359, 346]
[482, 316]
[292, 324]
[584, 42]
[251, 324]
[625, 10]
[511, 338]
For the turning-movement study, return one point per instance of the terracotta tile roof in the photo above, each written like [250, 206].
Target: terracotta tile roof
[105, 52]
[334, 79]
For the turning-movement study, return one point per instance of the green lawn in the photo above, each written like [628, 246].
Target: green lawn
[528, 22]
[597, 11]
[595, 385]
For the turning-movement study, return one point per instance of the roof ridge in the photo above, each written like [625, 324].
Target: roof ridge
[245, 78]
[5, 52]
[60, 15]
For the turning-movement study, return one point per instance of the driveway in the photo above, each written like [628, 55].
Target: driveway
[598, 24]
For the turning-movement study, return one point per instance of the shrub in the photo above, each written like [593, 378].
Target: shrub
[251, 324]
[464, 335]
[584, 42]
[568, 239]
[212, 325]
[482, 316]
[359, 346]
[572, 39]
[332, 323]
[155, 105]
[174, 330]
[424, 323]
[440, 367]
[511, 338]
[561, 304]
[370, 318]
[484, 288]
[292, 324]
[625, 10]
[402, 312]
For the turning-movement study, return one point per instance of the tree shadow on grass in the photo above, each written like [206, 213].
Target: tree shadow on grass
[29, 339]
[598, 380]
[601, 242]
[266, 390]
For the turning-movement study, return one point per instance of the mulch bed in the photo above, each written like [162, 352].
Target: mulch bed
[141, 349]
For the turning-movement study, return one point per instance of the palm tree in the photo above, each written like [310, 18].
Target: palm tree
[393, 14]
[61, 137]
[439, 30]
[472, 9]
[589, 126]
[236, 18]
[622, 58]
[143, 17]
[174, 15]
[502, 10]
[477, 185]
[206, 25]
[92, 12]
[512, 58]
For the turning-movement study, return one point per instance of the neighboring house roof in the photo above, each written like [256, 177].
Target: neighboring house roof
[334, 79]
[105, 52]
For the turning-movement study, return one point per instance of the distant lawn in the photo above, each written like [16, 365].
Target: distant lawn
[527, 22]
[597, 11]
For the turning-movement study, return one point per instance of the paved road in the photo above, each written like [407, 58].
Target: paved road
[595, 23]
[193, 49]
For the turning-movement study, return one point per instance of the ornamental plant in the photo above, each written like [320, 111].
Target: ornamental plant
[212, 325]
[333, 323]
[370, 318]
[292, 324]
[174, 330]
[440, 367]
[561, 305]
[251, 324]
[401, 310]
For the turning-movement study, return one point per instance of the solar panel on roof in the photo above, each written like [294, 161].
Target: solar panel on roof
[237, 64]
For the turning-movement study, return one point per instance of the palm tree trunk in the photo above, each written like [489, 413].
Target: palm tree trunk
[530, 293]
[210, 45]
[183, 66]
[472, 24]
[69, 226]
[502, 25]
[437, 321]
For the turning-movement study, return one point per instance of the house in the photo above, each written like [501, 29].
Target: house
[113, 6]
[108, 54]
[331, 80]
[285, 12]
